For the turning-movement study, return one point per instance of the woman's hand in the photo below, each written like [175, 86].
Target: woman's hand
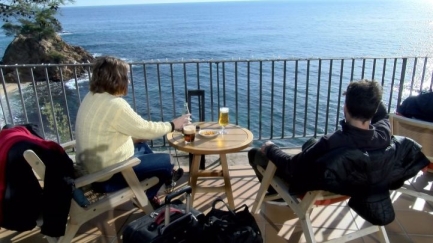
[138, 140]
[181, 121]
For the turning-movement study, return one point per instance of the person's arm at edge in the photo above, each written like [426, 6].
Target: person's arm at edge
[381, 124]
[381, 114]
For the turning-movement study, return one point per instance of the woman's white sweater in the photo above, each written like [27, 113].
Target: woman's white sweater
[104, 126]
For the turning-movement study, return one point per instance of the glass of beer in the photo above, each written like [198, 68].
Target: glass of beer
[224, 119]
[189, 133]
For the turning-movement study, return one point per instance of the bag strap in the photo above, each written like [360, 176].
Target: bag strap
[245, 207]
[233, 212]
[227, 206]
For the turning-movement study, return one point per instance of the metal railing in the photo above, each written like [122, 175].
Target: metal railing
[286, 100]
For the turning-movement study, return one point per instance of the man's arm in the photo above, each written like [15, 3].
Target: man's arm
[382, 127]
[381, 113]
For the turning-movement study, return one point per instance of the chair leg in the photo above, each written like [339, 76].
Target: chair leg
[136, 187]
[266, 181]
[383, 236]
[307, 227]
[71, 230]
[146, 208]
[413, 193]
[52, 239]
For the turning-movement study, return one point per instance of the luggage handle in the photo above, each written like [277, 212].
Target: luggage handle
[161, 216]
[169, 197]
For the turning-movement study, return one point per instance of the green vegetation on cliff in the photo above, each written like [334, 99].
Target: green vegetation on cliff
[31, 18]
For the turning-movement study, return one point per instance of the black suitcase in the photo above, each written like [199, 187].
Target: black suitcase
[174, 222]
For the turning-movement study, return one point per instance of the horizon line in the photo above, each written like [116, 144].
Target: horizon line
[159, 2]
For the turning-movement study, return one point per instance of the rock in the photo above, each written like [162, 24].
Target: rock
[28, 50]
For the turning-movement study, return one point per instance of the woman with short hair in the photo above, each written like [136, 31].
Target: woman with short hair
[106, 124]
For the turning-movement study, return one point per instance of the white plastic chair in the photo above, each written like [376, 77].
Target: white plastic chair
[303, 207]
[79, 215]
[422, 133]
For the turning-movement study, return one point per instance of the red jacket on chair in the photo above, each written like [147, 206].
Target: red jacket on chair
[22, 200]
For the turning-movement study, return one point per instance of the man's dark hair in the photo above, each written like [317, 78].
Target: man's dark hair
[109, 75]
[363, 98]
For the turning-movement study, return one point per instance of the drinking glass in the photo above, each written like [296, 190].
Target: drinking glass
[224, 119]
[189, 133]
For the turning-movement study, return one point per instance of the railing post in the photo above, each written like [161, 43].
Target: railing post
[403, 74]
[7, 99]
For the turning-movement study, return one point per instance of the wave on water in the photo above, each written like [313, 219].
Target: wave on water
[70, 84]
[64, 33]
[128, 60]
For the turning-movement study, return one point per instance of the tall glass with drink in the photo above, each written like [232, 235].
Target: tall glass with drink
[189, 133]
[223, 119]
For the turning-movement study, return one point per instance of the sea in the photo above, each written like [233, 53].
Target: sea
[251, 29]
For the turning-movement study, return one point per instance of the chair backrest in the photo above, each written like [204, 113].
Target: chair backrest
[35, 162]
[420, 131]
[201, 105]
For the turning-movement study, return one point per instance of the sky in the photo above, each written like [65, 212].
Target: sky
[125, 2]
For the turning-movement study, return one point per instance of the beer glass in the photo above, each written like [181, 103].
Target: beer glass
[224, 119]
[189, 133]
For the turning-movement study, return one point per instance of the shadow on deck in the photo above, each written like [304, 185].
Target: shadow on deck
[413, 223]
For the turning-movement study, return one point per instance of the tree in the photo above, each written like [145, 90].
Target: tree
[31, 18]
[56, 118]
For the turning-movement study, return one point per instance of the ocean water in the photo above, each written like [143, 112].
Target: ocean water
[252, 29]
[259, 29]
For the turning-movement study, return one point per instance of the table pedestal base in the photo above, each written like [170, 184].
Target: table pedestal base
[224, 173]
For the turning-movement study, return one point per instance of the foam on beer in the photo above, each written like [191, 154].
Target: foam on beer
[224, 110]
[190, 129]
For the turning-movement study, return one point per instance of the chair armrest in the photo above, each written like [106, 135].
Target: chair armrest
[111, 170]
[68, 145]
[411, 121]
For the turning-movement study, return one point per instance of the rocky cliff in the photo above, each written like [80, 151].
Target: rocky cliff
[26, 50]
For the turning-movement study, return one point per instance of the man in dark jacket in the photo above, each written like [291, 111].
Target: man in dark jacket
[365, 128]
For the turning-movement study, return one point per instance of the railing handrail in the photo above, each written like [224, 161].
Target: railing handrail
[168, 61]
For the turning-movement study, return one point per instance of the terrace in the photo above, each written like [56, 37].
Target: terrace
[284, 100]
[277, 223]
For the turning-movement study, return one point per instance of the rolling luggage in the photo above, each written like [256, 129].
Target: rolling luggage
[173, 222]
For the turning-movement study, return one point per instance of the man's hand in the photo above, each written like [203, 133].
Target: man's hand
[265, 145]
